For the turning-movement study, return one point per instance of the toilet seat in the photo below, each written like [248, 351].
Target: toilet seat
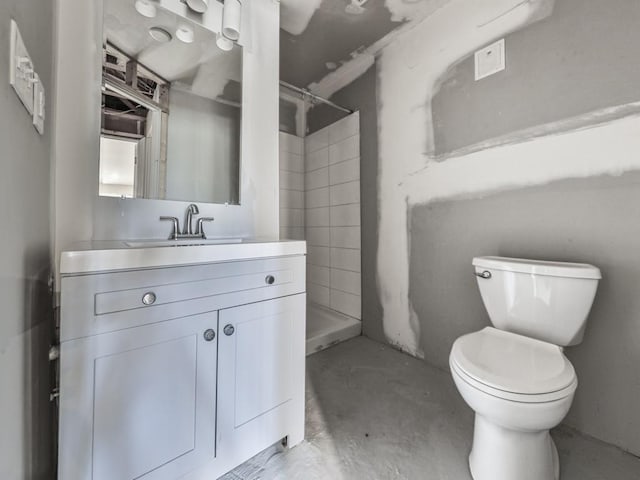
[512, 366]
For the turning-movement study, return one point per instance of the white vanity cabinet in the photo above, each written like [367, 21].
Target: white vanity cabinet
[180, 371]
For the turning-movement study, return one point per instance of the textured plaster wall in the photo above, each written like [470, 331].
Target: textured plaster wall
[409, 69]
[551, 75]
[514, 178]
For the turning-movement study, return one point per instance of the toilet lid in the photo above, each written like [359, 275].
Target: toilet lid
[513, 363]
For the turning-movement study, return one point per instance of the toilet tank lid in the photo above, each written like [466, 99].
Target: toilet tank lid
[539, 267]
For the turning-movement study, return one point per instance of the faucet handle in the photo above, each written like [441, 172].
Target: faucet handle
[200, 228]
[176, 228]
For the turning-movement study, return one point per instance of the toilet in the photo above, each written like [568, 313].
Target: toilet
[514, 375]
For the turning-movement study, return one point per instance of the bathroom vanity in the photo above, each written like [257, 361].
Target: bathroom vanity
[179, 361]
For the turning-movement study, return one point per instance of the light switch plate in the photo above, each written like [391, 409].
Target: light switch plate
[21, 69]
[490, 60]
[38, 105]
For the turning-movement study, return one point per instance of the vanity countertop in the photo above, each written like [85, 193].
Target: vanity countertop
[101, 256]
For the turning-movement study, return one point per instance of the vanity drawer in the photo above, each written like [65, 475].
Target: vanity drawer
[111, 302]
[106, 302]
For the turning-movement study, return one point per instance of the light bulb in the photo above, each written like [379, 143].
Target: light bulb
[146, 8]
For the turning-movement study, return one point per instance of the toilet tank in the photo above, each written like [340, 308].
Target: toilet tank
[549, 301]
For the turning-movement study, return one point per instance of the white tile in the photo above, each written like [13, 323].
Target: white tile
[318, 275]
[292, 217]
[345, 215]
[291, 143]
[318, 236]
[344, 193]
[318, 256]
[316, 140]
[346, 259]
[345, 150]
[317, 179]
[291, 180]
[318, 294]
[344, 128]
[345, 237]
[317, 198]
[317, 217]
[346, 303]
[345, 171]
[291, 199]
[345, 281]
[317, 159]
[291, 162]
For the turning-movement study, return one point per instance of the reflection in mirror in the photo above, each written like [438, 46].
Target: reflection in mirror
[171, 109]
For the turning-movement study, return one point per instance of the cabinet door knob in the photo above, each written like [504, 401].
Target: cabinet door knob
[149, 298]
[209, 334]
[270, 279]
[228, 330]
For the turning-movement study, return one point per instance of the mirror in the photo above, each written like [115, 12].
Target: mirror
[171, 108]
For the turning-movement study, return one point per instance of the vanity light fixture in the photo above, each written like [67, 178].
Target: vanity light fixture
[199, 6]
[223, 42]
[231, 15]
[185, 33]
[146, 8]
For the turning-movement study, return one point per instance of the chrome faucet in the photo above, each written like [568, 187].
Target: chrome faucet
[187, 228]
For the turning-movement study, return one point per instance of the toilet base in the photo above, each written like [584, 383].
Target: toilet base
[502, 454]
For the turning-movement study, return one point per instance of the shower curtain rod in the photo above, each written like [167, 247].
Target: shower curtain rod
[306, 93]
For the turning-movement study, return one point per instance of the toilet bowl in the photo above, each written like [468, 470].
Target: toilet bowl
[513, 416]
[518, 382]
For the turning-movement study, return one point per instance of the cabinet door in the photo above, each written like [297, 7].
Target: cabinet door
[153, 399]
[261, 374]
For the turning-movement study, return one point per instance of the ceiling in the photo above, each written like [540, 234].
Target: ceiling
[317, 36]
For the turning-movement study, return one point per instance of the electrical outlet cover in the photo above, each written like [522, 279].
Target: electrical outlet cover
[490, 60]
[21, 69]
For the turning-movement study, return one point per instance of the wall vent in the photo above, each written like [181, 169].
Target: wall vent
[490, 59]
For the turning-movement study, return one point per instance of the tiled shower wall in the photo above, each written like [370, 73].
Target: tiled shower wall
[332, 216]
[291, 187]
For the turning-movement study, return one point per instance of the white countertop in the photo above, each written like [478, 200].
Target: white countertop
[100, 256]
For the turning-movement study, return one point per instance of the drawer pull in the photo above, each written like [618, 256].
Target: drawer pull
[149, 298]
[228, 330]
[209, 334]
[270, 279]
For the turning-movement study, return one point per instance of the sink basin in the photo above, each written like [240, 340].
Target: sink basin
[182, 243]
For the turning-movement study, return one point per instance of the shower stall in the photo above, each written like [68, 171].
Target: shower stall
[320, 203]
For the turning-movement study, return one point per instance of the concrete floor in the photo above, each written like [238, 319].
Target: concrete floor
[375, 413]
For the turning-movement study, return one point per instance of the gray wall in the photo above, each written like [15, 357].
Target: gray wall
[362, 95]
[26, 323]
[591, 220]
[582, 58]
